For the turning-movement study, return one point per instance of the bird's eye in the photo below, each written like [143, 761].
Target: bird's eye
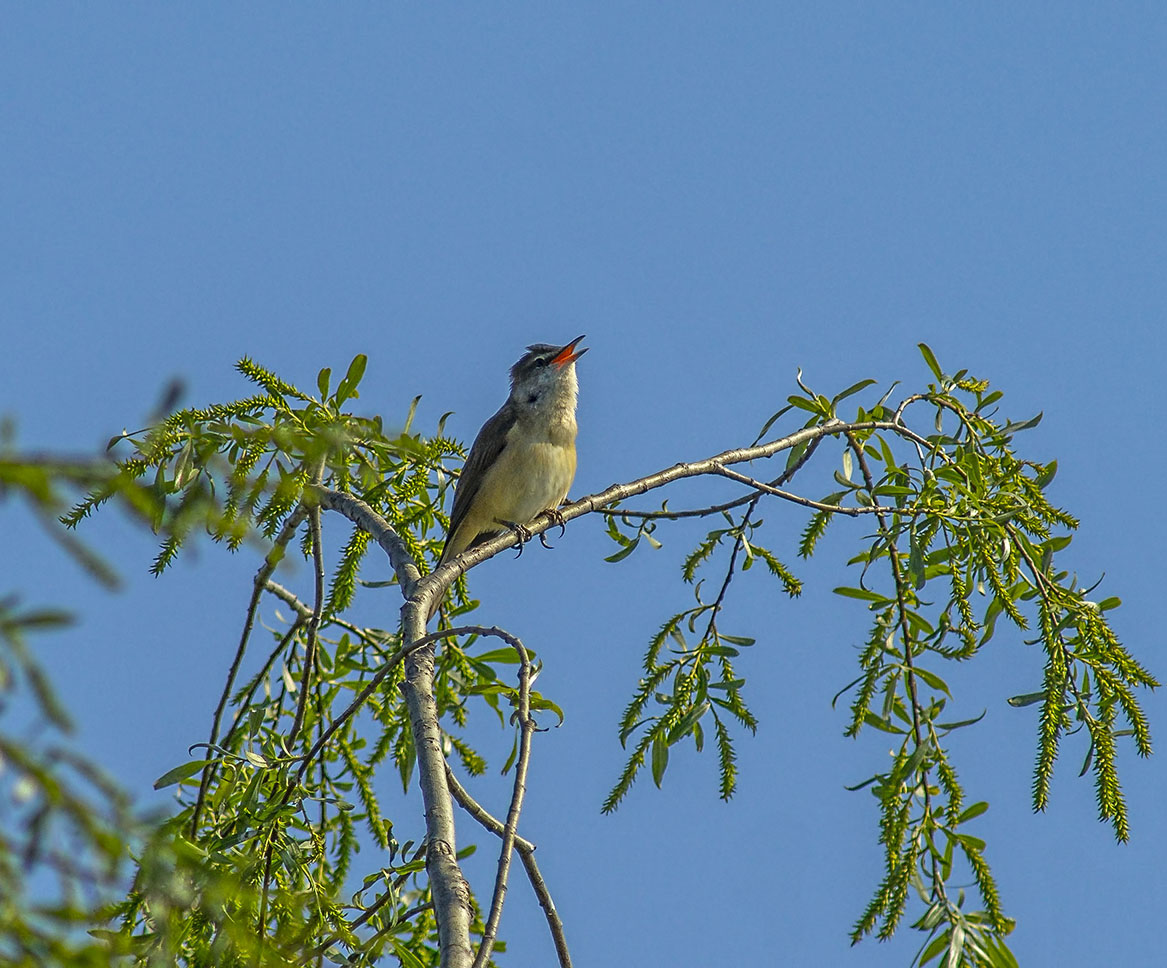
[540, 361]
[533, 398]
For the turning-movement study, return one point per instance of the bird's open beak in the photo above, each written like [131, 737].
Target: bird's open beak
[568, 354]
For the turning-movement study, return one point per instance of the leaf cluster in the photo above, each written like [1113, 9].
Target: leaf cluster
[955, 514]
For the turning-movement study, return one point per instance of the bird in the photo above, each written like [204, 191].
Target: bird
[522, 462]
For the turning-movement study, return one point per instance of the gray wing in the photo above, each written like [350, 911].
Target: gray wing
[490, 442]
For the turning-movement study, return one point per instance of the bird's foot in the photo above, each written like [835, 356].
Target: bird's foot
[556, 517]
[522, 535]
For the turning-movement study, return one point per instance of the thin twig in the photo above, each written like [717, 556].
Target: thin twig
[480, 813]
[677, 515]
[313, 625]
[259, 677]
[526, 730]
[717, 508]
[270, 561]
[788, 496]
[526, 851]
[305, 612]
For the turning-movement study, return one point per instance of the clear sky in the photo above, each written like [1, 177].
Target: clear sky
[716, 194]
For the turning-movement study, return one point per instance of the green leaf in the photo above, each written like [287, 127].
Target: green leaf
[41, 618]
[538, 702]
[405, 955]
[510, 761]
[851, 390]
[624, 552]
[973, 811]
[660, 758]
[322, 379]
[180, 773]
[1027, 699]
[509, 656]
[348, 386]
[938, 944]
[882, 724]
[687, 722]
[962, 723]
[1048, 473]
[255, 759]
[410, 415]
[770, 423]
[971, 842]
[1012, 428]
[933, 680]
[930, 359]
[863, 594]
[916, 562]
[183, 467]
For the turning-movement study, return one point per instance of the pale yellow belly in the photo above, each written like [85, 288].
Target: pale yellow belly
[522, 483]
[529, 480]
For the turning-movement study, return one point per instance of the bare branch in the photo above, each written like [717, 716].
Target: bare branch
[788, 496]
[304, 612]
[678, 515]
[526, 851]
[480, 813]
[288, 597]
[363, 516]
[718, 508]
[526, 729]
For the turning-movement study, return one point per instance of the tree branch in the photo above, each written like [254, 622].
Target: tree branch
[360, 514]
[788, 496]
[526, 729]
[526, 851]
[313, 624]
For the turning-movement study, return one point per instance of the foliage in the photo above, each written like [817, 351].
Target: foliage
[953, 511]
[258, 864]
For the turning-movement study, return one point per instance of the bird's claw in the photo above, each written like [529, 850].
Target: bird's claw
[557, 517]
[522, 535]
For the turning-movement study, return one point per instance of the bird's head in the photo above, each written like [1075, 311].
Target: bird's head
[546, 373]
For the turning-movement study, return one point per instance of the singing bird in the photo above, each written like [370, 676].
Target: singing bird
[523, 460]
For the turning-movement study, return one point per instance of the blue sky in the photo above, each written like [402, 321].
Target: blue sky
[715, 194]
